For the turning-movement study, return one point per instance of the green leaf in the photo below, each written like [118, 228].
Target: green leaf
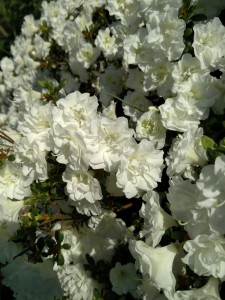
[66, 246]
[208, 143]
[59, 236]
[222, 143]
[11, 157]
[61, 84]
[199, 17]
[213, 154]
[60, 259]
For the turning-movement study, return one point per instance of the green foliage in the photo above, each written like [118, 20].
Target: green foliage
[42, 212]
[52, 90]
[12, 13]
[186, 10]
[55, 247]
[213, 149]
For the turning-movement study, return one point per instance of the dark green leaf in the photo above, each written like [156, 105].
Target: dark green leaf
[60, 259]
[11, 157]
[199, 17]
[66, 246]
[61, 84]
[59, 236]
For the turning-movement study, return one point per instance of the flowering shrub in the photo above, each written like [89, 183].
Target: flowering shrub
[112, 158]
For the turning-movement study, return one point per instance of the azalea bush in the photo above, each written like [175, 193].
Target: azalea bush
[112, 155]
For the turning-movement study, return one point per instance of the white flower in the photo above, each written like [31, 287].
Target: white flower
[211, 186]
[71, 122]
[32, 160]
[87, 54]
[186, 151]
[156, 220]
[183, 197]
[69, 146]
[109, 139]
[157, 76]
[39, 281]
[198, 94]
[26, 96]
[149, 126]
[12, 182]
[148, 7]
[149, 291]
[37, 124]
[176, 117]
[166, 33]
[41, 47]
[76, 282]
[123, 278]
[85, 207]
[81, 185]
[140, 169]
[209, 291]
[106, 43]
[9, 211]
[136, 50]
[184, 69]
[206, 255]
[105, 233]
[125, 10]
[209, 43]
[30, 26]
[55, 14]
[147, 261]
[76, 109]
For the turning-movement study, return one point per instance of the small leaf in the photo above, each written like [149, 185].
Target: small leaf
[222, 143]
[60, 259]
[208, 143]
[212, 155]
[42, 84]
[66, 246]
[11, 157]
[50, 243]
[199, 17]
[61, 85]
[59, 236]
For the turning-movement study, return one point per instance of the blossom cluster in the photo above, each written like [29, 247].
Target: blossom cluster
[109, 184]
